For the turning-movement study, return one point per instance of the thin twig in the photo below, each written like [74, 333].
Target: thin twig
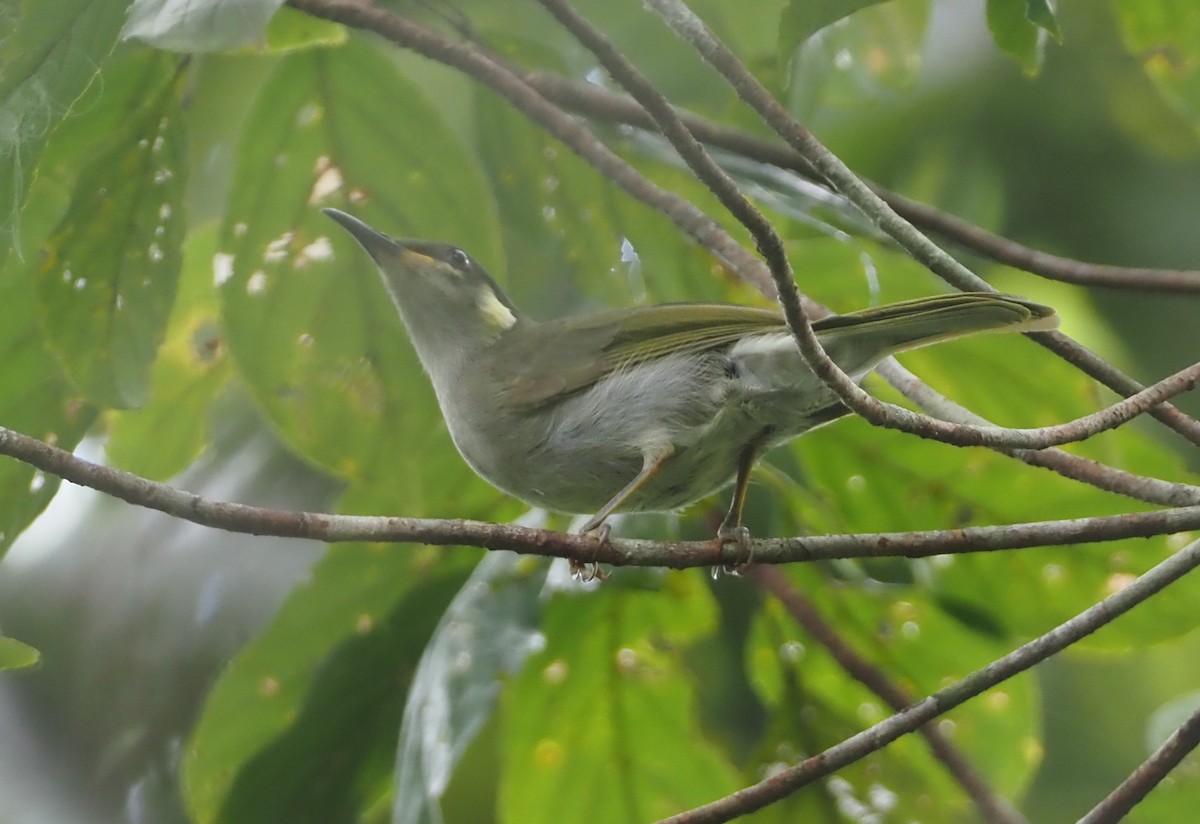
[598, 102]
[875, 738]
[991, 807]
[1129, 793]
[1084, 470]
[691, 28]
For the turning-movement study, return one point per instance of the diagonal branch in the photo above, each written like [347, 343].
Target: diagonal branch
[785, 783]
[1129, 793]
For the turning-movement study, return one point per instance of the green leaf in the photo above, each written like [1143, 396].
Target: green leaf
[49, 54]
[161, 438]
[485, 636]
[16, 655]
[873, 56]
[814, 704]
[308, 323]
[302, 725]
[1041, 14]
[290, 29]
[1016, 33]
[108, 275]
[801, 19]
[1165, 36]
[37, 399]
[579, 720]
[199, 25]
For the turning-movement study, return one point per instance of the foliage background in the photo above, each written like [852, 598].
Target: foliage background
[173, 294]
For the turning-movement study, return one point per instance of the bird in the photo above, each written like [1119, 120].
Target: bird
[638, 409]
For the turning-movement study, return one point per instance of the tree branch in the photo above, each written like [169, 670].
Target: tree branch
[874, 738]
[1129, 793]
[1093, 473]
[252, 520]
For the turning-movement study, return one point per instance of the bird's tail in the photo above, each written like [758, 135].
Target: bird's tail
[877, 332]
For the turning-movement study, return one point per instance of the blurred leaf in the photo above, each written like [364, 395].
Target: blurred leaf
[49, 54]
[290, 29]
[301, 727]
[1018, 34]
[108, 274]
[308, 323]
[16, 655]
[815, 705]
[1168, 718]
[1041, 14]
[198, 25]
[579, 720]
[484, 636]
[161, 438]
[862, 61]
[1165, 36]
[37, 399]
[802, 19]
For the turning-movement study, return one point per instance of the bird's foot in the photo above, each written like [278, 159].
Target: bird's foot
[740, 536]
[591, 571]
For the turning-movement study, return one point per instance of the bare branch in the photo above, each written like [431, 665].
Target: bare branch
[1129, 793]
[253, 520]
[874, 738]
[1093, 473]
[991, 807]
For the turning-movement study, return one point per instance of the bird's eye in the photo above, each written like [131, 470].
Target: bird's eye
[458, 259]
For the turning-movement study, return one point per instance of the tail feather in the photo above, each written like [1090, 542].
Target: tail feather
[877, 332]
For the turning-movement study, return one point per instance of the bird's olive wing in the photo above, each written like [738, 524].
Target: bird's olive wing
[546, 362]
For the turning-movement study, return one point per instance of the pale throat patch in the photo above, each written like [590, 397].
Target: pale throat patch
[494, 312]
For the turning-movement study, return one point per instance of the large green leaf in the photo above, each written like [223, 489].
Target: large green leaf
[302, 726]
[307, 321]
[484, 637]
[107, 278]
[170, 430]
[50, 51]
[602, 724]
[37, 399]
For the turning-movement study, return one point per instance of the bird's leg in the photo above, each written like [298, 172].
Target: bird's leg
[652, 461]
[731, 529]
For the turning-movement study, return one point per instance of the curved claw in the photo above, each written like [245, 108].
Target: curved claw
[739, 535]
[591, 571]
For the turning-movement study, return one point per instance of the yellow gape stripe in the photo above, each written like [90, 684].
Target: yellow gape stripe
[499, 316]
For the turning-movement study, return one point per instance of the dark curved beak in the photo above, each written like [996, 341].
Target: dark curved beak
[377, 244]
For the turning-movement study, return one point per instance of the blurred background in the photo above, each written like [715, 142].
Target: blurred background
[136, 613]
